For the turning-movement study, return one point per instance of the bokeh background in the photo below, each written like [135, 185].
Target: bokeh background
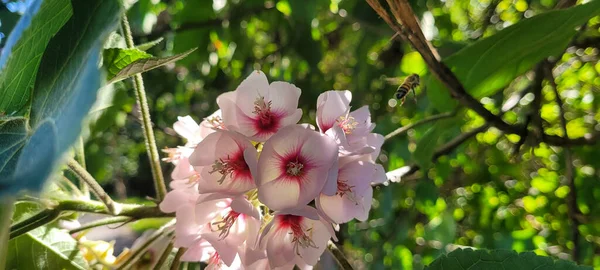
[482, 194]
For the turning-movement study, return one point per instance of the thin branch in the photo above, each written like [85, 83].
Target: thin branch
[339, 256]
[177, 259]
[144, 247]
[112, 206]
[164, 256]
[140, 94]
[40, 219]
[406, 128]
[573, 210]
[101, 222]
[6, 213]
[80, 157]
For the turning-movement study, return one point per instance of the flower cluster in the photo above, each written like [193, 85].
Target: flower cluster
[244, 182]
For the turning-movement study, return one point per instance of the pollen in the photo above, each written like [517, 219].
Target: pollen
[345, 189]
[263, 110]
[294, 168]
[302, 238]
[227, 167]
[224, 226]
[347, 123]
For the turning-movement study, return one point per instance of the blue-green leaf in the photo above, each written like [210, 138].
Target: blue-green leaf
[23, 51]
[61, 98]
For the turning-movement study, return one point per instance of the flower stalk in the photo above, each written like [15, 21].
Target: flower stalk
[112, 206]
[140, 95]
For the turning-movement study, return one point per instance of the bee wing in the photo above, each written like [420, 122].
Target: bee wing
[394, 80]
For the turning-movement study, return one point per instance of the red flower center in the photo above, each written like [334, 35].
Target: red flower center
[266, 121]
[233, 166]
[301, 238]
[225, 225]
[344, 189]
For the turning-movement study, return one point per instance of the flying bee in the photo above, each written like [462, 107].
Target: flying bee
[410, 83]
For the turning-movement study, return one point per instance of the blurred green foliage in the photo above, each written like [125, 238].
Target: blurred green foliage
[479, 195]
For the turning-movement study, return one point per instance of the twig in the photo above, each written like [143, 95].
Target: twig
[112, 206]
[573, 210]
[140, 94]
[406, 128]
[31, 223]
[139, 251]
[164, 256]
[80, 157]
[101, 222]
[177, 259]
[339, 256]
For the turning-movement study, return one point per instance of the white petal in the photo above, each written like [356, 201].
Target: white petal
[330, 106]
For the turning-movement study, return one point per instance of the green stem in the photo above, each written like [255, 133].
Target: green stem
[113, 207]
[139, 251]
[40, 219]
[164, 256]
[101, 222]
[6, 212]
[127, 210]
[80, 157]
[177, 259]
[140, 95]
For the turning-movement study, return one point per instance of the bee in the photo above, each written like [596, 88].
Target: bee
[410, 83]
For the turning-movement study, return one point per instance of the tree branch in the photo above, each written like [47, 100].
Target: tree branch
[409, 30]
[101, 222]
[339, 256]
[406, 128]
[177, 259]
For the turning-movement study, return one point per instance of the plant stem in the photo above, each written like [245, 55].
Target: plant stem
[164, 256]
[406, 128]
[177, 259]
[128, 210]
[80, 157]
[136, 253]
[6, 212]
[140, 95]
[40, 219]
[113, 207]
[101, 222]
[339, 256]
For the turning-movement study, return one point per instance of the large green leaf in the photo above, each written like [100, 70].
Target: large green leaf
[498, 259]
[115, 59]
[45, 248]
[490, 64]
[61, 98]
[144, 64]
[426, 146]
[24, 48]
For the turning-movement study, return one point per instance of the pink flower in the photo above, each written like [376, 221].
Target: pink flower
[216, 227]
[350, 130]
[295, 235]
[257, 109]
[187, 128]
[354, 192]
[183, 193]
[225, 160]
[294, 166]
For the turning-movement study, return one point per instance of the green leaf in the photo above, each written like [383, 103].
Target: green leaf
[23, 51]
[30, 149]
[498, 259]
[115, 59]
[149, 44]
[45, 248]
[145, 64]
[490, 64]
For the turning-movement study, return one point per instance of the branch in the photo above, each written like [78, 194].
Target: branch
[139, 251]
[406, 128]
[80, 156]
[98, 191]
[339, 256]
[140, 94]
[33, 222]
[164, 256]
[177, 259]
[573, 210]
[101, 222]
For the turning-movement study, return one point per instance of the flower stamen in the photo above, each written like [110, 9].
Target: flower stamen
[345, 189]
[263, 110]
[301, 239]
[347, 123]
[225, 224]
[294, 168]
[227, 167]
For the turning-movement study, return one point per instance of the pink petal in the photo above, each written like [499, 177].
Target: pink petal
[284, 97]
[279, 248]
[376, 141]
[186, 127]
[282, 194]
[224, 248]
[183, 169]
[330, 187]
[320, 235]
[330, 106]
[304, 211]
[198, 251]
[175, 199]
[186, 228]
[243, 206]
[254, 86]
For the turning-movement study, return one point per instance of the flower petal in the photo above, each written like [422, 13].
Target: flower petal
[280, 249]
[330, 106]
